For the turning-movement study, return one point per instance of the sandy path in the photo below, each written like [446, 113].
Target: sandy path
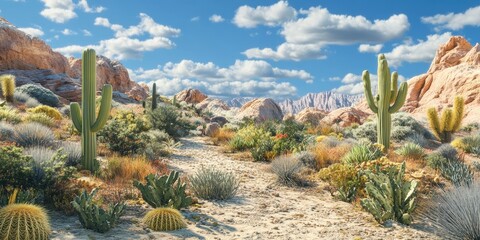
[261, 210]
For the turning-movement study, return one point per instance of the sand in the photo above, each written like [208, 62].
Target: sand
[262, 209]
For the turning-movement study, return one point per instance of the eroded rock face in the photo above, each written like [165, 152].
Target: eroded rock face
[111, 72]
[191, 96]
[310, 115]
[21, 51]
[455, 70]
[261, 109]
[345, 117]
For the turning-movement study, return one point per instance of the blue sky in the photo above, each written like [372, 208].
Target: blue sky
[267, 48]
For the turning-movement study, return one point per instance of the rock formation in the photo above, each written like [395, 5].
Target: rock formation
[345, 117]
[261, 109]
[327, 101]
[191, 96]
[310, 115]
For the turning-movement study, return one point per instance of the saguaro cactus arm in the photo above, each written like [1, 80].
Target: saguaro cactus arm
[393, 95]
[368, 91]
[76, 116]
[105, 107]
[400, 98]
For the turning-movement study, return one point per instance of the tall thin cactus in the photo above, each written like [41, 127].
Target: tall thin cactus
[87, 122]
[449, 122]
[154, 96]
[388, 100]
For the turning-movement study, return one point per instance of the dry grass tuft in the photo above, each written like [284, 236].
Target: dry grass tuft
[223, 136]
[126, 169]
[325, 156]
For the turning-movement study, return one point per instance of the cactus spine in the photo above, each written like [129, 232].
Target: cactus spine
[8, 87]
[388, 100]
[449, 122]
[23, 221]
[164, 219]
[87, 123]
[154, 96]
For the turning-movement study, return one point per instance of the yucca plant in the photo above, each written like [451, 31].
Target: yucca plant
[8, 87]
[449, 122]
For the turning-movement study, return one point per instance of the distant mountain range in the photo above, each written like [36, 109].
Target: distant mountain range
[327, 101]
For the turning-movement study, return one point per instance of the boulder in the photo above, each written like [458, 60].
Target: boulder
[191, 96]
[211, 129]
[310, 115]
[219, 119]
[345, 117]
[261, 109]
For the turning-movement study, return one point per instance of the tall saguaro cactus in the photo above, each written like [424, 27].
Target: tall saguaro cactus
[87, 122]
[154, 96]
[388, 100]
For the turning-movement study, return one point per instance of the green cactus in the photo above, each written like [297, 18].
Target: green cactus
[92, 216]
[164, 219]
[154, 97]
[390, 196]
[388, 100]
[87, 123]
[174, 100]
[164, 191]
[23, 221]
[449, 122]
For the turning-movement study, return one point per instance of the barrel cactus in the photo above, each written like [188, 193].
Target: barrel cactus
[389, 99]
[23, 221]
[164, 219]
[87, 122]
[449, 122]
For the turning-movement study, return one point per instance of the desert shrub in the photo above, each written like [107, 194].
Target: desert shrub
[73, 151]
[10, 115]
[419, 139]
[94, 217]
[40, 154]
[454, 214]
[157, 144]
[16, 168]
[447, 151]
[33, 134]
[49, 111]
[41, 118]
[469, 144]
[248, 137]
[6, 131]
[307, 159]
[344, 178]
[263, 150]
[403, 126]
[450, 166]
[164, 191]
[326, 156]
[287, 168]
[122, 133]
[362, 152]
[22, 97]
[411, 151]
[168, 119]
[126, 169]
[289, 137]
[213, 184]
[65, 110]
[43, 95]
[470, 127]
[223, 135]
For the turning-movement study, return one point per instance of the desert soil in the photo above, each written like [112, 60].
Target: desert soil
[262, 209]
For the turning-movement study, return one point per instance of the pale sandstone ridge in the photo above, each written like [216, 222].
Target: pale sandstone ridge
[33, 61]
[261, 109]
[191, 96]
[310, 115]
[111, 72]
[345, 117]
[455, 70]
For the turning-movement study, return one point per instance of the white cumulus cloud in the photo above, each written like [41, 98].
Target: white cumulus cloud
[34, 32]
[216, 18]
[367, 48]
[59, 11]
[274, 15]
[353, 84]
[455, 21]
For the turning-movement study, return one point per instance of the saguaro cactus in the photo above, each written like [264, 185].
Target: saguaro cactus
[154, 96]
[388, 100]
[87, 123]
[450, 120]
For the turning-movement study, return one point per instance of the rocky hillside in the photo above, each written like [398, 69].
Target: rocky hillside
[238, 102]
[327, 101]
[31, 60]
[455, 70]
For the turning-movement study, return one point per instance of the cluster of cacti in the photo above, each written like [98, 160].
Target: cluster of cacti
[389, 99]
[164, 219]
[87, 123]
[24, 221]
[449, 122]
[164, 191]
[94, 217]
[390, 196]
[8, 87]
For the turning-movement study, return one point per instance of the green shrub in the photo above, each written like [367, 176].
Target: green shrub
[412, 151]
[10, 115]
[362, 152]
[122, 133]
[212, 184]
[344, 178]
[94, 217]
[164, 191]
[73, 151]
[33, 134]
[390, 196]
[287, 169]
[471, 127]
[470, 144]
[248, 137]
[261, 151]
[41, 94]
[450, 167]
[41, 118]
[447, 151]
[49, 111]
[16, 168]
[307, 159]
[168, 119]
[157, 144]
